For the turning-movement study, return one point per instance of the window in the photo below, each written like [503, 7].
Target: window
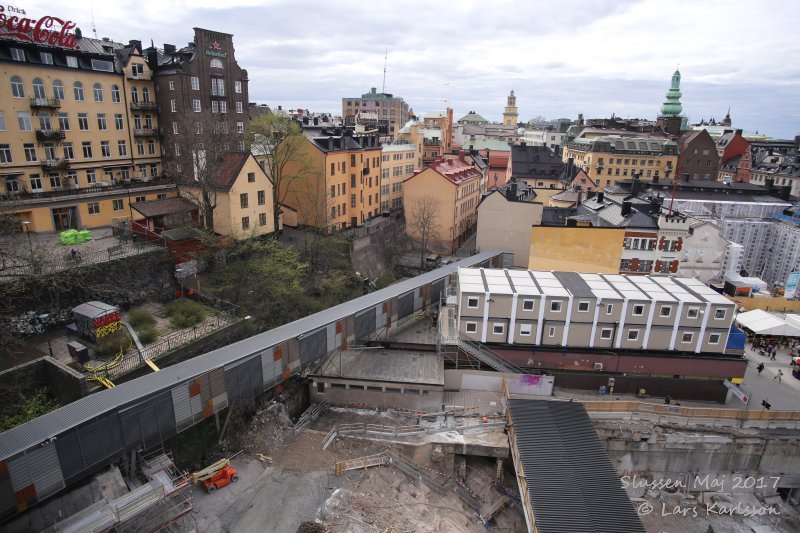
[223, 106]
[720, 314]
[49, 151]
[609, 309]
[122, 147]
[91, 177]
[55, 181]
[216, 63]
[551, 332]
[98, 92]
[583, 306]
[2, 121]
[24, 120]
[17, 54]
[177, 149]
[245, 223]
[72, 62]
[498, 328]
[102, 123]
[605, 333]
[240, 127]
[175, 128]
[173, 105]
[693, 312]
[527, 305]
[117, 205]
[251, 177]
[87, 149]
[262, 197]
[119, 123]
[638, 310]
[63, 121]
[687, 338]
[666, 311]
[352, 200]
[30, 152]
[217, 87]
[68, 153]
[214, 106]
[714, 338]
[134, 95]
[243, 200]
[44, 121]
[525, 330]
[103, 66]
[77, 90]
[5, 153]
[195, 83]
[262, 219]
[172, 85]
[36, 182]
[239, 107]
[145, 95]
[633, 335]
[94, 208]
[472, 327]
[38, 89]
[555, 306]
[105, 149]
[151, 147]
[115, 94]
[17, 88]
[196, 105]
[472, 303]
[237, 87]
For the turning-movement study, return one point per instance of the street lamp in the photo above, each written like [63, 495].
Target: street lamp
[25, 225]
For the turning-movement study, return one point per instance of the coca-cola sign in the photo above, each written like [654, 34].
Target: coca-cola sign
[47, 30]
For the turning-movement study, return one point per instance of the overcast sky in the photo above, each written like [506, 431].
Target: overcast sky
[595, 57]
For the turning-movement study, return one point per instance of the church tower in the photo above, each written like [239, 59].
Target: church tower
[670, 118]
[510, 114]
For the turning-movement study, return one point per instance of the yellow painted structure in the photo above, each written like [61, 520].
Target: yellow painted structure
[576, 249]
[768, 303]
[78, 144]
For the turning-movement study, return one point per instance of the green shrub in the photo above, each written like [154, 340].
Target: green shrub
[185, 313]
[139, 318]
[27, 407]
[108, 347]
[147, 335]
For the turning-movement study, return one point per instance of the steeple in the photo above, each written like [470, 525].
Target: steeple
[510, 113]
[727, 120]
[672, 106]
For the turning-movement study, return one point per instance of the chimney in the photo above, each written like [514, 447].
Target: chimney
[635, 184]
[514, 189]
[626, 209]
[739, 132]
[786, 192]
[461, 156]
[330, 143]
[316, 121]
[601, 196]
[590, 195]
[305, 121]
[151, 55]
[769, 183]
[570, 163]
[137, 44]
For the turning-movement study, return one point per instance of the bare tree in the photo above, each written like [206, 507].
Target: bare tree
[196, 156]
[279, 142]
[422, 220]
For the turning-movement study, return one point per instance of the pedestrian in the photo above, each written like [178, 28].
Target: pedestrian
[772, 355]
[778, 376]
[760, 368]
[667, 399]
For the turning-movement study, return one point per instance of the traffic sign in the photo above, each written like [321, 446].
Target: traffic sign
[739, 393]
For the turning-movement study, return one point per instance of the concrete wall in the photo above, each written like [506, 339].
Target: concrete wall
[505, 225]
[65, 385]
[431, 400]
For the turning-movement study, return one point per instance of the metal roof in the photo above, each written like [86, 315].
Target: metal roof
[32, 433]
[572, 484]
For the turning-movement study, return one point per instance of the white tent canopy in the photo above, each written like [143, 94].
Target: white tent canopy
[763, 323]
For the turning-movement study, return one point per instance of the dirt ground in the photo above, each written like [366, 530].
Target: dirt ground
[298, 485]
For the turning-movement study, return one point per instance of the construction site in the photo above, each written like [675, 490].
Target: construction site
[376, 416]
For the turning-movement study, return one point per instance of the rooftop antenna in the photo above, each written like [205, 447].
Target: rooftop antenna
[385, 60]
[94, 27]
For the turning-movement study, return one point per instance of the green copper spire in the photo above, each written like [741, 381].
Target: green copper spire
[672, 107]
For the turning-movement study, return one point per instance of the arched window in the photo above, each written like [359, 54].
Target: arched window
[17, 88]
[216, 63]
[145, 95]
[38, 89]
[115, 94]
[134, 95]
[58, 90]
[98, 92]
[77, 88]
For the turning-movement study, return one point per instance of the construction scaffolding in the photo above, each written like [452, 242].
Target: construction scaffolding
[163, 503]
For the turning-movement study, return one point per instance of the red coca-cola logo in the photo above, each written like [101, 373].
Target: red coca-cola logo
[47, 30]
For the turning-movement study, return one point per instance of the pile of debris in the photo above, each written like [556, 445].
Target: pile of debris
[268, 429]
[33, 323]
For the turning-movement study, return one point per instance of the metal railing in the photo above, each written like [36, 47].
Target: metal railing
[146, 132]
[45, 102]
[65, 260]
[50, 135]
[487, 356]
[75, 191]
[143, 106]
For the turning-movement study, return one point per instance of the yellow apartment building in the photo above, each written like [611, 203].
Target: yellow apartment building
[79, 138]
[453, 186]
[398, 163]
[243, 197]
[610, 158]
[335, 181]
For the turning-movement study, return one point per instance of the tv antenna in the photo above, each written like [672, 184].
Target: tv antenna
[385, 60]
[94, 27]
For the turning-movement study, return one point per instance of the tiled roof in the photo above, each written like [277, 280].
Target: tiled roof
[528, 161]
[573, 485]
[165, 206]
[227, 170]
[454, 170]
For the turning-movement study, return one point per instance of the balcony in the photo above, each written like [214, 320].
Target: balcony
[147, 132]
[365, 171]
[39, 103]
[50, 135]
[159, 182]
[55, 164]
[141, 76]
[143, 106]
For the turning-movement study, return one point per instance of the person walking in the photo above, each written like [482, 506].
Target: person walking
[760, 368]
[778, 376]
[774, 352]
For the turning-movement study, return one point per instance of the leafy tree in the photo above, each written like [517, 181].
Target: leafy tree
[278, 141]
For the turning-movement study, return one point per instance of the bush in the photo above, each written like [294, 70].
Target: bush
[27, 407]
[185, 313]
[147, 335]
[139, 318]
[108, 347]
